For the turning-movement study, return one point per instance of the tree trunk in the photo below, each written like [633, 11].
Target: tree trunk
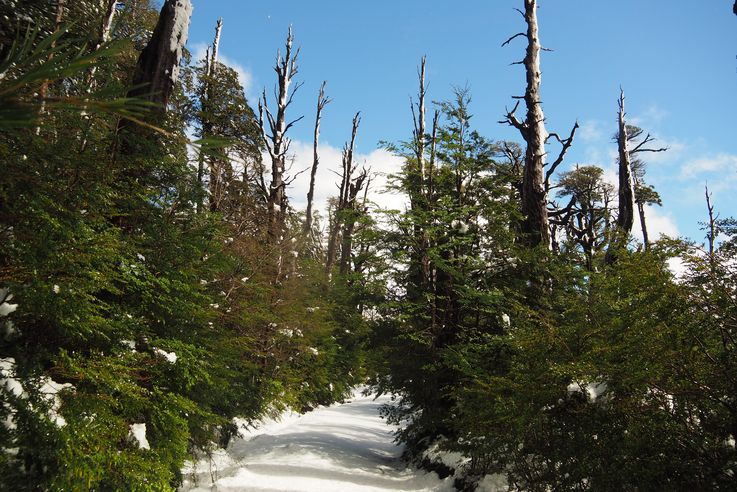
[158, 65]
[276, 142]
[535, 224]
[216, 168]
[346, 200]
[44, 89]
[643, 225]
[534, 199]
[625, 219]
[322, 101]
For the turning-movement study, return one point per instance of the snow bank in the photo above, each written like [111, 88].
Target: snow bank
[345, 447]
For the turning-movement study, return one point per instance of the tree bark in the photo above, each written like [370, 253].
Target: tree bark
[276, 141]
[216, 171]
[643, 225]
[157, 67]
[348, 191]
[322, 101]
[625, 219]
[535, 223]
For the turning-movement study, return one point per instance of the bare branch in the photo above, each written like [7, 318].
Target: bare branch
[519, 34]
[566, 145]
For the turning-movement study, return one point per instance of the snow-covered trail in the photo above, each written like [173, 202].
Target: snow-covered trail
[345, 447]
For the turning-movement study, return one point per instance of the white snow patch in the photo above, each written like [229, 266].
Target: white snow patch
[493, 483]
[341, 448]
[593, 390]
[451, 459]
[169, 356]
[137, 435]
[48, 390]
[6, 308]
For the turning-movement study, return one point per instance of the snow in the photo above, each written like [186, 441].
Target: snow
[137, 435]
[48, 389]
[169, 356]
[592, 390]
[450, 459]
[345, 447]
[5, 307]
[493, 483]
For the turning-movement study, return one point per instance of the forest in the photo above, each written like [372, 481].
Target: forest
[157, 280]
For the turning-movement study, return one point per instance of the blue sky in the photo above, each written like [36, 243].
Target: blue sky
[675, 59]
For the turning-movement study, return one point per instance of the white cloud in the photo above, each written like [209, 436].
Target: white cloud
[659, 223]
[722, 163]
[591, 131]
[650, 118]
[380, 162]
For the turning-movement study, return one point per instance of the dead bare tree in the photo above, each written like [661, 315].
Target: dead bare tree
[625, 218]
[103, 36]
[216, 165]
[343, 220]
[322, 101]
[158, 65]
[711, 231]
[628, 180]
[419, 127]
[535, 181]
[43, 90]
[273, 131]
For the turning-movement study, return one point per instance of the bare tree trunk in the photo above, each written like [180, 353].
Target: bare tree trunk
[43, 91]
[216, 167]
[711, 234]
[420, 127]
[322, 101]
[643, 225]
[349, 224]
[103, 36]
[344, 199]
[625, 219]
[535, 227]
[205, 126]
[157, 68]
[534, 199]
[158, 65]
[275, 138]
[626, 191]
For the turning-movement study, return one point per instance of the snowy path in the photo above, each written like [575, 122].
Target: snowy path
[342, 448]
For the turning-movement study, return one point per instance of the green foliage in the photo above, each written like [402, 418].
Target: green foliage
[147, 308]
